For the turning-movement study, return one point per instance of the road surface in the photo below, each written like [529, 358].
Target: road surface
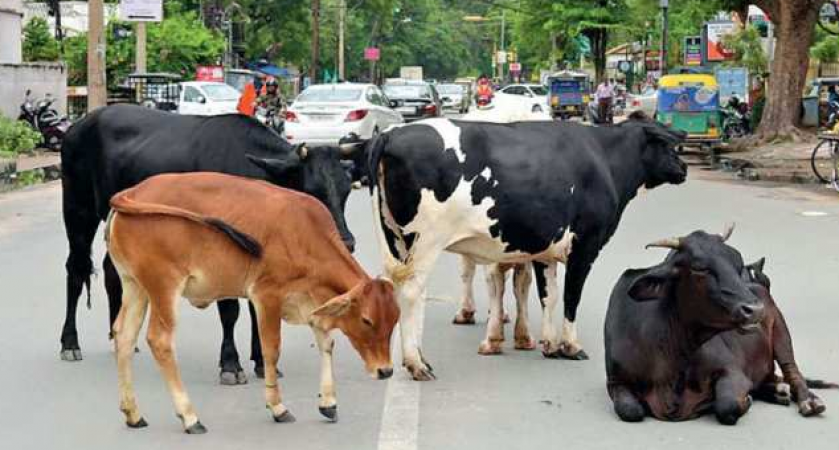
[517, 400]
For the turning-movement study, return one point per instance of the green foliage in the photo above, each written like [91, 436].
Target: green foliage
[176, 45]
[826, 49]
[16, 137]
[748, 50]
[38, 43]
[29, 177]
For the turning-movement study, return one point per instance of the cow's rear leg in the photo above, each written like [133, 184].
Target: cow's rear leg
[81, 229]
[231, 371]
[521, 285]
[576, 273]
[160, 337]
[546, 287]
[731, 397]
[127, 328]
[466, 315]
[495, 324]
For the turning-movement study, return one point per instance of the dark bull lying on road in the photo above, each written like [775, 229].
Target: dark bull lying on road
[116, 147]
[530, 191]
[700, 332]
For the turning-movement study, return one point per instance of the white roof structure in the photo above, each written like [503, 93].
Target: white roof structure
[73, 15]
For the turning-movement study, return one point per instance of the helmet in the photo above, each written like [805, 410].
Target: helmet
[272, 82]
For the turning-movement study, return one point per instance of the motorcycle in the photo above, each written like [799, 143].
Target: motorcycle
[832, 114]
[483, 101]
[271, 118]
[736, 120]
[43, 118]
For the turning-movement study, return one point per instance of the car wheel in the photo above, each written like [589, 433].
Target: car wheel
[149, 103]
[536, 109]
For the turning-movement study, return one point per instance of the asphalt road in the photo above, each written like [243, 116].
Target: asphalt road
[517, 400]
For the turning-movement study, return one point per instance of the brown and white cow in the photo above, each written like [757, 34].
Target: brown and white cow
[207, 236]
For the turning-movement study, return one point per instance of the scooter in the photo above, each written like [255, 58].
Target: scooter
[483, 101]
[736, 121]
[43, 118]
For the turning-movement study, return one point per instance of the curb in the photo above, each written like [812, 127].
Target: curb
[749, 170]
[12, 179]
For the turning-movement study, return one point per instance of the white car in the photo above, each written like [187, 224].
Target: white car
[324, 113]
[207, 98]
[646, 102]
[531, 97]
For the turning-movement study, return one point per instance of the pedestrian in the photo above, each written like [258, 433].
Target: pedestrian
[604, 96]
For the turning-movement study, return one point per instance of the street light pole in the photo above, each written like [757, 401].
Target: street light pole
[664, 29]
[503, 46]
[342, 13]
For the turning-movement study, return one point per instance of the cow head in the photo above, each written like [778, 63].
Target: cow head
[659, 158]
[367, 314]
[317, 171]
[702, 278]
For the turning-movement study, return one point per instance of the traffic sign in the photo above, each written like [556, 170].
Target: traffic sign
[515, 67]
[372, 53]
[141, 10]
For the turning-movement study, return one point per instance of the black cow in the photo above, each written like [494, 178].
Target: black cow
[699, 332]
[116, 147]
[529, 191]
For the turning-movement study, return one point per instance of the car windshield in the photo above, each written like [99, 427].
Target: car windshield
[329, 95]
[539, 90]
[407, 91]
[450, 89]
[220, 92]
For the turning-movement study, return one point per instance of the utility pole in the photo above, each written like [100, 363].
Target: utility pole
[664, 29]
[313, 68]
[342, 17]
[140, 53]
[97, 94]
[503, 46]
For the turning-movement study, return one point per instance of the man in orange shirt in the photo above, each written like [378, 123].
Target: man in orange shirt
[247, 102]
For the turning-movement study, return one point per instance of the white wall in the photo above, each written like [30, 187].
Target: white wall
[11, 13]
[41, 78]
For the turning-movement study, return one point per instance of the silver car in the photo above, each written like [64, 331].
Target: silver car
[454, 96]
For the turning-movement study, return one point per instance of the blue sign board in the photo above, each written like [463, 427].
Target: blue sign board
[733, 81]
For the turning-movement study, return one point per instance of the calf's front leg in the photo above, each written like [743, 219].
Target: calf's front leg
[328, 404]
[495, 325]
[268, 316]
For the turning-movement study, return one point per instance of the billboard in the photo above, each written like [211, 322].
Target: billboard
[141, 10]
[714, 33]
[733, 81]
[693, 51]
[687, 98]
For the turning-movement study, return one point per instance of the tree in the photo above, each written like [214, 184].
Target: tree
[748, 50]
[795, 23]
[38, 43]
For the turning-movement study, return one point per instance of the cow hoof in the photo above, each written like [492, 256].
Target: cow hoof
[464, 318]
[813, 406]
[421, 373]
[579, 355]
[139, 424]
[330, 412]
[71, 355]
[285, 417]
[526, 343]
[491, 347]
[783, 394]
[228, 378]
[196, 428]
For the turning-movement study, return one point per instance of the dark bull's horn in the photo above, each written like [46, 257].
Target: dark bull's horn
[302, 151]
[674, 243]
[727, 233]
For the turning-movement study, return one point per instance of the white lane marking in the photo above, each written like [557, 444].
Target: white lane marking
[400, 416]
[813, 213]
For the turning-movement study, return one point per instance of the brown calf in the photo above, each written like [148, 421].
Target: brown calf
[206, 236]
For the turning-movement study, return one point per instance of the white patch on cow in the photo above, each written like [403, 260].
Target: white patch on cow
[569, 336]
[486, 173]
[572, 189]
[449, 132]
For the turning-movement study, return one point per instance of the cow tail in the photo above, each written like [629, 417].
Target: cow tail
[123, 204]
[820, 384]
[374, 156]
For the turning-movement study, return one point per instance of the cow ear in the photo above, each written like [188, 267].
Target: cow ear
[669, 136]
[335, 307]
[755, 271]
[653, 284]
[278, 168]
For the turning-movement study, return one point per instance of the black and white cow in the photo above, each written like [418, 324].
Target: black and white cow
[530, 191]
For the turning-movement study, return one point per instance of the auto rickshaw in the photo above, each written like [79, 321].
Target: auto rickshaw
[569, 94]
[691, 103]
[154, 90]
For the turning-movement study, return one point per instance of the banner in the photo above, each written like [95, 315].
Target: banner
[141, 10]
[687, 99]
[733, 81]
[714, 33]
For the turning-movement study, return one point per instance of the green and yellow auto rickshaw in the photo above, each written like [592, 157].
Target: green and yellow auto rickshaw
[691, 103]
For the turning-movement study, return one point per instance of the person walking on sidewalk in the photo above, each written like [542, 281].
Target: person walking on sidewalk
[604, 95]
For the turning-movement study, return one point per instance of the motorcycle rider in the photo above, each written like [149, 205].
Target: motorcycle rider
[272, 100]
[483, 91]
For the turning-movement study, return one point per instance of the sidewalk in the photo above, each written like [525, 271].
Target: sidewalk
[787, 162]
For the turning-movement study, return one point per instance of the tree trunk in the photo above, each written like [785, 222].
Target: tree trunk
[795, 22]
[314, 67]
[598, 39]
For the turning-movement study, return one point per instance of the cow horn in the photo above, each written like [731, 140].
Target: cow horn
[349, 148]
[674, 243]
[727, 233]
[302, 151]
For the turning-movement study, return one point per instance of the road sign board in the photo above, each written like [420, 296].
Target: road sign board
[141, 10]
[515, 67]
[372, 53]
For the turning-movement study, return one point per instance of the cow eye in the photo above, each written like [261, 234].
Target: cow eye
[367, 322]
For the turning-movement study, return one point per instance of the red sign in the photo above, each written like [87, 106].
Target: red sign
[372, 53]
[209, 73]
[515, 67]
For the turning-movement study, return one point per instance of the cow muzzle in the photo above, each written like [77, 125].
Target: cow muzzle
[385, 373]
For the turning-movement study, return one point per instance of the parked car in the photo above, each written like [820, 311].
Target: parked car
[324, 113]
[533, 97]
[455, 96]
[414, 99]
[645, 102]
[207, 98]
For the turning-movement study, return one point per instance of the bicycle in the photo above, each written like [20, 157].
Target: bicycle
[825, 160]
